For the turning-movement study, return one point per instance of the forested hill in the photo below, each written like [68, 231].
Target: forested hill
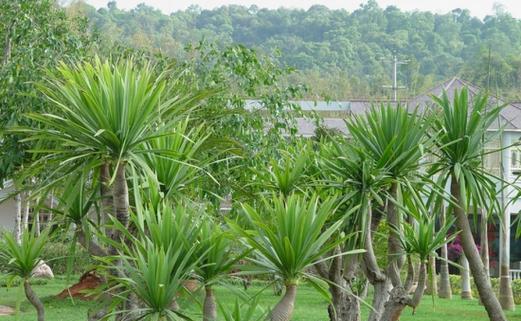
[341, 53]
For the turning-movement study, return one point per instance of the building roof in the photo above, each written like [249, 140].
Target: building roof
[509, 118]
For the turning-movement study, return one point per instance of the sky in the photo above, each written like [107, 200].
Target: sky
[479, 8]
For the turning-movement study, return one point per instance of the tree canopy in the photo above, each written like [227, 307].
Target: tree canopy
[343, 54]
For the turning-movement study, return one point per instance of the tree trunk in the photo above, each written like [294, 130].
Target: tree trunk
[432, 283]
[51, 206]
[484, 242]
[344, 306]
[37, 219]
[400, 298]
[506, 296]
[27, 208]
[121, 199]
[378, 280]
[466, 289]
[394, 248]
[18, 218]
[284, 309]
[107, 202]
[89, 244]
[210, 307]
[481, 279]
[445, 290]
[35, 301]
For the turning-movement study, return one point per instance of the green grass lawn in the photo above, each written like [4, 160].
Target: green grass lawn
[310, 306]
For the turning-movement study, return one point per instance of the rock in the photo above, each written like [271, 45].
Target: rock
[88, 281]
[5, 310]
[43, 271]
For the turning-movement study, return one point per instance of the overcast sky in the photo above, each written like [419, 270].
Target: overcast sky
[479, 8]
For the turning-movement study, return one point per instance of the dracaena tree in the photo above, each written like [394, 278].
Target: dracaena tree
[102, 114]
[349, 171]
[288, 236]
[19, 259]
[394, 139]
[218, 256]
[460, 132]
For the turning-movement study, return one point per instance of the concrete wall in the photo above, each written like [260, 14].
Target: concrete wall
[7, 215]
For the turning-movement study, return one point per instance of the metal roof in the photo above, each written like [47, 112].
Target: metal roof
[509, 118]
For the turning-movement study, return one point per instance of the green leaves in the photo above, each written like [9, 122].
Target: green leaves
[217, 252]
[21, 259]
[293, 239]
[459, 132]
[161, 254]
[392, 137]
[107, 112]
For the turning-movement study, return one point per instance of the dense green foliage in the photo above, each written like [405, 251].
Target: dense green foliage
[339, 52]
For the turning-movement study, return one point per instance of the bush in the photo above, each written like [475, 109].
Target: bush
[455, 284]
[57, 256]
[5, 281]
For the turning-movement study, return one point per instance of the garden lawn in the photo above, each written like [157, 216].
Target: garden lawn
[310, 306]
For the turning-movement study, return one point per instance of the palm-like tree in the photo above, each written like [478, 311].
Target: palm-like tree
[19, 259]
[394, 139]
[161, 253]
[460, 134]
[289, 236]
[102, 115]
[217, 258]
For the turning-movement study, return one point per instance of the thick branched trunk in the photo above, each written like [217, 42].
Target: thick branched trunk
[344, 305]
[284, 309]
[378, 280]
[481, 279]
[399, 297]
[35, 301]
[209, 306]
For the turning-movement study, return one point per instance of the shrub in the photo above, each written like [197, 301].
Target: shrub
[455, 283]
[58, 254]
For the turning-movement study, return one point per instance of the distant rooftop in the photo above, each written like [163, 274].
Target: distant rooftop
[509, 119]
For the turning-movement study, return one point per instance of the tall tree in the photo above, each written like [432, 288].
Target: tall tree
[460, 127]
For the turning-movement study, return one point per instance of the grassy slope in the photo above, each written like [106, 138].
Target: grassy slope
[310, 306]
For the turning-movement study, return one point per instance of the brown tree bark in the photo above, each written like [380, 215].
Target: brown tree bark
[481, 279]
[378, 280]
[344, 306]
[209, 306]
[284, 309]
[120, 195]
[399, 297]
[35, 301]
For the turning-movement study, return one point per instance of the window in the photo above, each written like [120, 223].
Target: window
[515, 161]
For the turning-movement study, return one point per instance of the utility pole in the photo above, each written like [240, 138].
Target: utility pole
[395, 86]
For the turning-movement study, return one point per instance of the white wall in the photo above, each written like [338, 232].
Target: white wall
[7, 215]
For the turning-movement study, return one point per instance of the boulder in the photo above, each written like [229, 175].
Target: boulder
[42, 271]
[5, 310]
